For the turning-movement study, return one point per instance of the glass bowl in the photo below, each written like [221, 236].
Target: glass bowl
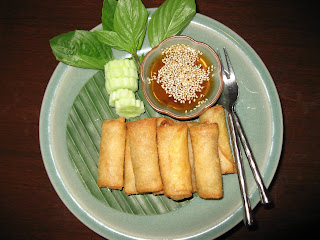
[150, 92]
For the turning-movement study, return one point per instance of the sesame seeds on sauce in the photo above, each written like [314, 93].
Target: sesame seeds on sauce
[181, 78]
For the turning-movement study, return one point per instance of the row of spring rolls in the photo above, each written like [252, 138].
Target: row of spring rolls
[163, 156]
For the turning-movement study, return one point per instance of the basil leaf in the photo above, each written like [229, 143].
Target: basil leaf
[108, 9]
[130, 23]
[113, 40]
[82, 49]
[170, 19]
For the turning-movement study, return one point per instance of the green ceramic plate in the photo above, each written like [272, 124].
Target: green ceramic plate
[73, 108]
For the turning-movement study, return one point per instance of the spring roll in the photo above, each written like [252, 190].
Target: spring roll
[163, 121]
[129, 180]
[144, 155]
[111, 155]
[193, 177]
[216, 115]
[174, 161]
[204, 138]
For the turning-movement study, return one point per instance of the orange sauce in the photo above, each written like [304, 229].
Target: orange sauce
[164, 99]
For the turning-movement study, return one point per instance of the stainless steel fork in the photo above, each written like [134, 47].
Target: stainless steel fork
[228, 98]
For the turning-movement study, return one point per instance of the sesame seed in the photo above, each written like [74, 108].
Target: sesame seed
[181, 77]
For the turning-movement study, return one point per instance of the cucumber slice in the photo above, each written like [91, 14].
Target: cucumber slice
[119, 94]
[128, 108]
[108, 87]
[113, 84]
[121, 83]
[121, 68]
[121, 73]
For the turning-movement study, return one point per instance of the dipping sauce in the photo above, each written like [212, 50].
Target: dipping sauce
[181, 78]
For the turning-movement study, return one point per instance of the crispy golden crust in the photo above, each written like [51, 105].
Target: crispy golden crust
[111, 155]
[216, 114]
[144, 155]
[163, 121]
[193, 177]
[129, 180]
[204, 138]
[174, 161]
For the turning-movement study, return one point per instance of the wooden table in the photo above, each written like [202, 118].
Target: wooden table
[283, 33]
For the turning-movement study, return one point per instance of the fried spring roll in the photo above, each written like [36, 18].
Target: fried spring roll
[174, 161]
[129, 180]
[204, 138]
[111, 155]
[144, 155]
[216, 115]
[193, 177]
[163, 121]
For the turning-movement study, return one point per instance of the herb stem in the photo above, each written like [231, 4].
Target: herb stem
[136, 58]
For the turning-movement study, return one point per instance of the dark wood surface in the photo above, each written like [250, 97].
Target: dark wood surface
[285, 34]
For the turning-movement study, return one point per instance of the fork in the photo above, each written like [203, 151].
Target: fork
[227, 99]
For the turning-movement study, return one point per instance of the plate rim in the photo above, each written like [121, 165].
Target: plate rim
[89, 221]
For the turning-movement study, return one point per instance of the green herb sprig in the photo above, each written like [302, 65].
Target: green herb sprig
[124, 25]
[170, 19]
[130, 25]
